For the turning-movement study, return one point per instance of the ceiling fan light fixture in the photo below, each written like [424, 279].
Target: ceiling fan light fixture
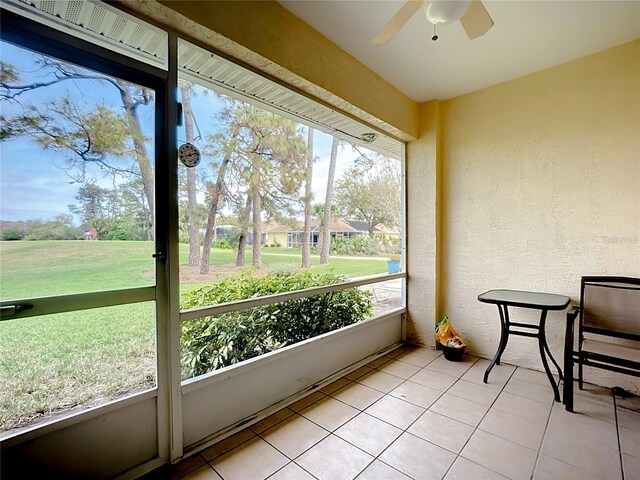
[472, 14]
[446, 11]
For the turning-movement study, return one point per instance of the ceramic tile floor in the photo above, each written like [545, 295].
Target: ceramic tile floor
[414, 415]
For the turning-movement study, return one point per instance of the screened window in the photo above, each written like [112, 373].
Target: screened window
[276, 205]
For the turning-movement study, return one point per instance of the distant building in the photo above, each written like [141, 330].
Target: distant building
[339, 228]
[291, 236]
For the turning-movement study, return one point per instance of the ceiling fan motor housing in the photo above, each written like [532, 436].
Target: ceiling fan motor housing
[446, 11]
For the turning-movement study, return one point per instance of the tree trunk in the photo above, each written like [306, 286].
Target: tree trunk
[256, 206]
[306, 239]
[242, 246]
[218, 191]
[244, 230]
[211, 221]
[256, 209]
[320, 245]
[142, 157]
[328, 202]
[192, 201]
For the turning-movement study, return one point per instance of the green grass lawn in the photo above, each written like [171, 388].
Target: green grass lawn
[56, 362]
[52, 363]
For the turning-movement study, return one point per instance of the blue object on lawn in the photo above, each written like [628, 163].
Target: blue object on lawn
[393, 266]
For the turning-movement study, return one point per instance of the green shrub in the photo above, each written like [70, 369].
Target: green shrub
[366, 245]
[223, 243]
[12, 234]
[210, 343]
[59, 229]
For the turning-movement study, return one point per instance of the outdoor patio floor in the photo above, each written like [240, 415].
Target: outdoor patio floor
[413, 414]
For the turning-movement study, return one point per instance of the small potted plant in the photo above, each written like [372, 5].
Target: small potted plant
[451, 342]
[393, 264]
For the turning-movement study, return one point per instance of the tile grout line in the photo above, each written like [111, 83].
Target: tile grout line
[405, 430]
[292, 459]
[207, 462]
[214, 469]
[329, 433]
[615, 412]
[476, 428]
[295, 463]
[204, 460]
[544, 434]
[577, 415]
[360, 411]
[385, 394]
[259, 435]
[388, 394]
[332, 432]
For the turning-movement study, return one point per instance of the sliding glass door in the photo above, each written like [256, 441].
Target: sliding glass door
[79, 255]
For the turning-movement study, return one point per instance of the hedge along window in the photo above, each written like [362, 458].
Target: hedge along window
[281, 201]
[213, 342]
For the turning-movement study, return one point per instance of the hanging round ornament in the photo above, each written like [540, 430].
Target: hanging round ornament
[189, 155]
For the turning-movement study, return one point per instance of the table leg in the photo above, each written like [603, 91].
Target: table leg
[542, 344]
[546, 346]
[504, 337]
[504, 321]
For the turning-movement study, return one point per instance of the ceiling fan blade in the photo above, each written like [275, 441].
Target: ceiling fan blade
[398, 21]
[477, 21]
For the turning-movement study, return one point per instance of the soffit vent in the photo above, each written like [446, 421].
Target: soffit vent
[213, 71]
[101, 24]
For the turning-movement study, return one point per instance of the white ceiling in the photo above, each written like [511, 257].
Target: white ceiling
[528, 36]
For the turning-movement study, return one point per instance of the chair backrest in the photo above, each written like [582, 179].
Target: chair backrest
[611, 306]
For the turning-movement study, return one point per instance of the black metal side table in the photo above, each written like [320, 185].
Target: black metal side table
[534, 300]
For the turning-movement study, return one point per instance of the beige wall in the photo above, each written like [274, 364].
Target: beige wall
[423, 156]
[277, 237]
[541, 184]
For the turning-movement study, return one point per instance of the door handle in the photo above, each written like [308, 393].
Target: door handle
[161, 255]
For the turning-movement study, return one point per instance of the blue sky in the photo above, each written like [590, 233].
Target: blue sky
[34, 186]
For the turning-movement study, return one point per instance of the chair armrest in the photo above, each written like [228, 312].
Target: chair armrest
[572, 314]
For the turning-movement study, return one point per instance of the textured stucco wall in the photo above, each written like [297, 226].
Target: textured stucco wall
[422, 193]
[541, 185]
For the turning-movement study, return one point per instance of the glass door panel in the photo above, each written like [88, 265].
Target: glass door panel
[76, 179]
[77, 188]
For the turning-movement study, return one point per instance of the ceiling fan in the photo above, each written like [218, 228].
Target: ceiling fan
[474, 18]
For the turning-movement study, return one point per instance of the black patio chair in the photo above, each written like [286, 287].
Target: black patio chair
[608, 331]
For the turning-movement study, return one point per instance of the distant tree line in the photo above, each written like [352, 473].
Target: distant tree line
[60, 228]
